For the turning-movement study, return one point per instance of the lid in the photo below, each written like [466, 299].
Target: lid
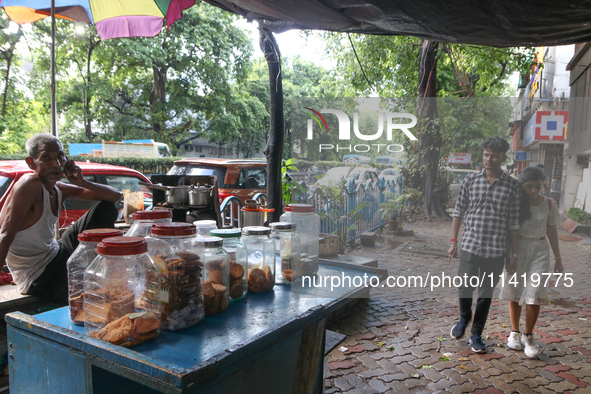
[173, 229]
[211, 242]
[205, 223]
[98, 234]
[122, 246]
[226, 233]
[282, 226]
[152, 214]
[300, 208]
[256, 230]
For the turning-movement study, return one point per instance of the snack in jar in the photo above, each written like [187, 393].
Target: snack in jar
[308, 229]
[123, 279]
[143, 221]
[216, 276]
[261, 258]
[80, 259]
[287, 255]
[237, 255]
[174, 245]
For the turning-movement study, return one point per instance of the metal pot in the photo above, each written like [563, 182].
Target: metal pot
[200, 195]
[175, 195]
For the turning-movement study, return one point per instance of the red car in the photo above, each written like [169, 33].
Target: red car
[118, 177]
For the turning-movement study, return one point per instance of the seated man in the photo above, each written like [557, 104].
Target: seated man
[27, 245]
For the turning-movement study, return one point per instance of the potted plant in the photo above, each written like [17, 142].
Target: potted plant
[392, 209]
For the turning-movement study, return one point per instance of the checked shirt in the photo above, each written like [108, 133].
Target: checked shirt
[488, 211]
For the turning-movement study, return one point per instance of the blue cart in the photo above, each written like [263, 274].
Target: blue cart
[268, 343]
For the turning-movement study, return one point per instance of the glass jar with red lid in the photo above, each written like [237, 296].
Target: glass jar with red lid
[174, 245]
[80, 259]
[122, 280]
[143, 221]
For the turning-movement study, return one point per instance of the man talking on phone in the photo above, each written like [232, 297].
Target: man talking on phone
[27, 245]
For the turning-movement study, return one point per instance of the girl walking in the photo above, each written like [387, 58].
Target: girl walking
[525, 280]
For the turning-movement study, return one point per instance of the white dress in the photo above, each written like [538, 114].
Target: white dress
[534, 258]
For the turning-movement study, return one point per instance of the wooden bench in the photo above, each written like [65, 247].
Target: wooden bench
[11, 300]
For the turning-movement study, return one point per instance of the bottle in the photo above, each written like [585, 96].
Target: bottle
[80, 259]
[174, 245]
[143, 221]
[287, 255]
[216, 276]
[261, 258]
[308, 229]
[121, 280]
[238, 256]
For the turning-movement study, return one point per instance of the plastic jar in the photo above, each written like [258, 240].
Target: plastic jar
[174, 245]
[261, 258]
[80, 259]
[216, 276]
[143, 220]
[205, 226]
[287, 252]
[123, 279]
[237, 255]
[308, 229]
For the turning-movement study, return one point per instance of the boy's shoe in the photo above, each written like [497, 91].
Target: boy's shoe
[514, 341]
[458, 330]
[531, 350]
[476, 344]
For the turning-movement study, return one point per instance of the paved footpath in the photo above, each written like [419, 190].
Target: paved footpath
[398, 340]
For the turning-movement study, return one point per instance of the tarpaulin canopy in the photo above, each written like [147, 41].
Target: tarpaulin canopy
[485, 22]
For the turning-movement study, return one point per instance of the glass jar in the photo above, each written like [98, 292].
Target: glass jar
[80, 259]
[287, 252]
[216, 276]
[205, 226]
[261, 258]
[174, 245]
[237, 256]
[143, 220]
[308, 229]
[123, 279]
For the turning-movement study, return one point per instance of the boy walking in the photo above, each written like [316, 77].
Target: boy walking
[488, 204]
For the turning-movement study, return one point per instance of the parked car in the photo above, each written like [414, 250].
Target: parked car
[363, 175]
[333, 177]
[389, 174]
[240, 178]
[457, 178]
[115, 176]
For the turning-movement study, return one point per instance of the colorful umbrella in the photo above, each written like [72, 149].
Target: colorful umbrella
[112, 18]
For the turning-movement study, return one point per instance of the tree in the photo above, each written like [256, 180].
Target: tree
[407, 66]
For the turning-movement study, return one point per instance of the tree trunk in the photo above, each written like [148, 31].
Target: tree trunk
[430, 136]
[274, 148]
[87, 94]
[157, 96]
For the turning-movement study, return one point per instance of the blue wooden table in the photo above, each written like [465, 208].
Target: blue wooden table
[268, 343]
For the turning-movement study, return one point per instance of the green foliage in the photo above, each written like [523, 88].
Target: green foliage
[579, 216]
[289, 187]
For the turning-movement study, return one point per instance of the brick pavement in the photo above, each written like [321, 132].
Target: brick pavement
[398, 339]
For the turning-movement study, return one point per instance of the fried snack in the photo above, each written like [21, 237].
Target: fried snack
[215, 297]
[289, 275]
[104, 306]
[216, 276]
[129, 330]
[236, 290]
[259, 280]
[236, 271]
[76, 308]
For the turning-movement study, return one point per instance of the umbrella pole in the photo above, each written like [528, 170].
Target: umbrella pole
[53, 105]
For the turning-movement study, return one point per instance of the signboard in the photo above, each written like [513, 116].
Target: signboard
[546, 125]
[521, 155]
[460, 158]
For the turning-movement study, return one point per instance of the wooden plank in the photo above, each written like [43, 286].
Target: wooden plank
[309, 364]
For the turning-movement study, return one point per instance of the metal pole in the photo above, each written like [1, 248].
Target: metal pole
[53, 105]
